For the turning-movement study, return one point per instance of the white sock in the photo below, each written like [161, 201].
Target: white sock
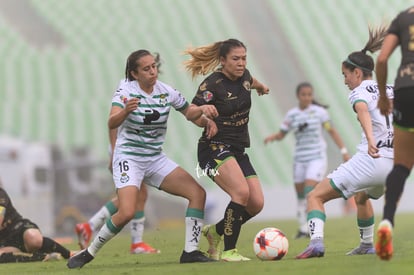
[137, 230]
[366, 234]
[97, 220]
[302, 215]
[316, 226]
[101, 238]
[193, 227]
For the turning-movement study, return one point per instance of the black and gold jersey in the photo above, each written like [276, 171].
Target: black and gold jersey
[11, 216]
[232, 100]
[402, 27]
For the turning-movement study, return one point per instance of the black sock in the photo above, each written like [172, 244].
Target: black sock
[10, 257]
[50, 246]
[394, 188]
[220, 224]
[246, 216]
[233, 220]
[220, 227]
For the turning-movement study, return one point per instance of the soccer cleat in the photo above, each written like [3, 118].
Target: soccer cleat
[214, 239]
[195, 256]
[233, 255]
[383, 246]
[314, 249]
[80, 259]
[143, 248]
[84, 232]
[362, 249]
[301, 235]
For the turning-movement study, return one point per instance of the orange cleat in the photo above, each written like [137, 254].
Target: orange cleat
[383, 246]
[143, 248]
[84, 232]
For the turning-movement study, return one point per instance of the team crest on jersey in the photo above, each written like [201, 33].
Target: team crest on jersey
[163, 99]
[208, 96]
[203, 86]
[124, 178]
[246, 85]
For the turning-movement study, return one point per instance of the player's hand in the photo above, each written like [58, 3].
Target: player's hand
[384, 105]
[345, 157]
[373, 150]
[264, 90]
[270, 138]
[131, 104]
[209, 111]
[210, 129]
[110, 165]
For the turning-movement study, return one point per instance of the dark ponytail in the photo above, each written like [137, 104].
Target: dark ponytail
[306, 84]
[360, 59]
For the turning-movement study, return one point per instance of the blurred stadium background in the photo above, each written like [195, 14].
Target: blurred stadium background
[62, 60]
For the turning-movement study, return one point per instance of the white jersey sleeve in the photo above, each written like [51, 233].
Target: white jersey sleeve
[381, 125]
[286, 125]
[121, 95]
[177, 100]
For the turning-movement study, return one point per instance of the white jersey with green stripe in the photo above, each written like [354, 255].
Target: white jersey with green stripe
[307, 125]
[382, 128]
[143, 132]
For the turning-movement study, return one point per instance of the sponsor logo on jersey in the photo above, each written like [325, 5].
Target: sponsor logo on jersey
[230, 96]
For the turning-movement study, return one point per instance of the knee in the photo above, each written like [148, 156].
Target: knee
[198, 194]
[241, 196]
[361, 199]
[260, 205]
[33, 240]
[126, 214]
[255, 207]
[311, 196]
[142, 194]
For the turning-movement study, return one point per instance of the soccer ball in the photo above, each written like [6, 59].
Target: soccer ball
[270, 244]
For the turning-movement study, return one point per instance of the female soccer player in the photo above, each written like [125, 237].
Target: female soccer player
[364, 174]
[228, 88]
[310, 161]
[85, 230]
[399, 34]
[140, 109]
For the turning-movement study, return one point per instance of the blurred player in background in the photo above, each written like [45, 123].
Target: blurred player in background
[364, 174]
[307, 121]
[400, 34]
[140, 109]
[223, 156]
[86, 230]
[21, 239]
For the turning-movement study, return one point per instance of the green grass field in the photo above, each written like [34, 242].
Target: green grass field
[341, 235]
